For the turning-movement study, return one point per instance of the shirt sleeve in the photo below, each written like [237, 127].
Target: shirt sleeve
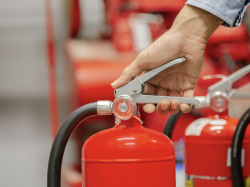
[231, 11]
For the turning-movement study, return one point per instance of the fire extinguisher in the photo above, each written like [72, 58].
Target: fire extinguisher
[208, 141]
[126, 155]
[236, 155]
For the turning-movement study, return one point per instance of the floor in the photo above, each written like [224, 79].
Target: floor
[25, 143]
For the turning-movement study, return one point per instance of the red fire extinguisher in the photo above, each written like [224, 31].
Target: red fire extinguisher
[208, 141]
[127, 155]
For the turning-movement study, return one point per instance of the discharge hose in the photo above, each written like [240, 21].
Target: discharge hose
[172, 121]
[61, 139]
[236, 168]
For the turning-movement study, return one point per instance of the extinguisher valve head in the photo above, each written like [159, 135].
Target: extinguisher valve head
[124, 107]
[219, 101]
[104, 107]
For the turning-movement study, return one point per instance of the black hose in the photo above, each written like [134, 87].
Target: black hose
[61, 139]
[236, 168]
[172, 121]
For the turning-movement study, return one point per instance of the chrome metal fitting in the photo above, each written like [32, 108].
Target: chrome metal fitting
[204, 101]
[219, 101]
[104, 107]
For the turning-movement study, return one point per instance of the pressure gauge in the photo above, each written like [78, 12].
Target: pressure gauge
[219, 102]
[124, 107]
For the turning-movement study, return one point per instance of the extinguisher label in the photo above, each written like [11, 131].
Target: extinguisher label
[189, 183]
[229, 157]
[196, 127]
[218, 122]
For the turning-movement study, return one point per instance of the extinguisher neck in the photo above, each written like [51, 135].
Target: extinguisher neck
[134, 122]
[218, 115]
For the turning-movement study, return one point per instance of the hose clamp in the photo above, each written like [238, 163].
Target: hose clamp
[104, 107]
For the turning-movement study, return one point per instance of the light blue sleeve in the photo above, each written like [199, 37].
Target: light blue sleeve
[231, 11]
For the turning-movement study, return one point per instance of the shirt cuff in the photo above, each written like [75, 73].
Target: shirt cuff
[230, 12]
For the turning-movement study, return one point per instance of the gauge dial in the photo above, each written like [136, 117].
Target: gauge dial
[124, 107]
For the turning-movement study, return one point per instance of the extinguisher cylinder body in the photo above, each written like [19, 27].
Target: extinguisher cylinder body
[208, 144]
[128, 155]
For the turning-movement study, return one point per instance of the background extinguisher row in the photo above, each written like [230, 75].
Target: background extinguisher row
[216, 146]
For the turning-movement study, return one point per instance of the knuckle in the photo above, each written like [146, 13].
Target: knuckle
[142, 57]
[126, 72]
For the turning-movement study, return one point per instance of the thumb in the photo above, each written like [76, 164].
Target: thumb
[131, 71]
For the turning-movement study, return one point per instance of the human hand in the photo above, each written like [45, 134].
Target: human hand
[186, 38]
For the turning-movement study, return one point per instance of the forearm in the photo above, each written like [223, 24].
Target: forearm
[196, 23]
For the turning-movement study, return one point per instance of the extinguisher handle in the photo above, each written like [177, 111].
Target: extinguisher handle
[136, 86]
[225, 85]
[141, 99]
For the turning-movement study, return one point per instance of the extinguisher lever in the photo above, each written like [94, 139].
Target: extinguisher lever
[225, 85]
[238, 74]
[154, 72]
[136, 87]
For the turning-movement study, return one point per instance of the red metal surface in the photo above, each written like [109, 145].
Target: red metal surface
[120, 8]
[74, 17]
[122, 36]
[52, 74]
[232, 41]
[94, 69]
[225, 35]
[128, 155]
[206, 154]
[159, 5]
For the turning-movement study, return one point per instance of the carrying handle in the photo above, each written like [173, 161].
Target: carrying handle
[136, 85]
[217, 76]
[154, 72]
[225, 85]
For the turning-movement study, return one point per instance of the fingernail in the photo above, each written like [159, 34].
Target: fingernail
[173, 106]
[164, 107]
[114, 82]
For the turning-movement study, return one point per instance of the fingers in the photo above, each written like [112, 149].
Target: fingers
[174, 106]
[186, 108]
[174, 103]
[149, 90]
[131, 71]
[164, 105]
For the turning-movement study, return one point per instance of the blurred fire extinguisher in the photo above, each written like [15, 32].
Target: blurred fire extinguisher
[52, 69]
[213, 144]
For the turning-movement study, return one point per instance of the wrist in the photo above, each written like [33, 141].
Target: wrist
[196, 23]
